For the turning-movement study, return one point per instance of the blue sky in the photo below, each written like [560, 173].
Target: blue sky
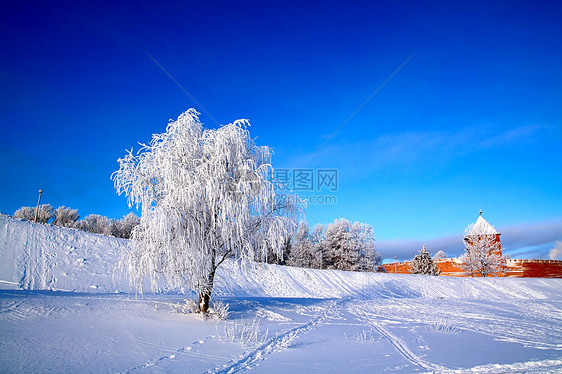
[429, 112]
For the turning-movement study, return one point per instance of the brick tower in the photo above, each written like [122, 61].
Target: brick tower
[482, 228]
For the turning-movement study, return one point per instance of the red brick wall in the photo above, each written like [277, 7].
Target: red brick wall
[514, 268]
[534, 268]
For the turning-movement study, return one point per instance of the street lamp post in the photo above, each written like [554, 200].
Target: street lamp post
[37, 208]
[395, 265]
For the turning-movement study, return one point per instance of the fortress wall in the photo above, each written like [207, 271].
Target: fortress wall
[514, 268]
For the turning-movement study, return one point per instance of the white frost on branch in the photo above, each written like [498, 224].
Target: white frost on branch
[205, 196]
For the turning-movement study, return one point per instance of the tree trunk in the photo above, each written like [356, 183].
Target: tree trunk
[204, 298]
[205, 295]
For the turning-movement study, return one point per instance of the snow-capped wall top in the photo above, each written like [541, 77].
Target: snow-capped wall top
[482, 227]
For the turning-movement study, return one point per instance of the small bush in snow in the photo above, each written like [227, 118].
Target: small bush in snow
[439, 255]
[367, 336]
[445, 326]
[247, 333]
[25, 212]
[187, 307]
[219, 311]
[44, 214]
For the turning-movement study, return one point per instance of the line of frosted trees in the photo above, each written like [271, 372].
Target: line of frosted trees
[68, 217]
[341, 245]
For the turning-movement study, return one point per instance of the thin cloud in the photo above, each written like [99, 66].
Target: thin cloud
[556, 252]
[531, 240]
[414, 148]
[406, 249]
[532, 234]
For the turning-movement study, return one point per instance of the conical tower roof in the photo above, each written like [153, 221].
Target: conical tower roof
[482, 227]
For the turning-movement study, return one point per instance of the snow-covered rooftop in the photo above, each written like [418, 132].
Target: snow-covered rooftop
[482, 227]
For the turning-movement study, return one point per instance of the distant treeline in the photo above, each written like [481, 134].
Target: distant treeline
[341, 245]
[68, 217]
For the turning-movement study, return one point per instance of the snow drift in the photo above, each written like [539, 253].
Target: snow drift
[38, 257]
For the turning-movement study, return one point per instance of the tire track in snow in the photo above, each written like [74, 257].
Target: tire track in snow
[403, 349]
[401, 346]
[276, 344]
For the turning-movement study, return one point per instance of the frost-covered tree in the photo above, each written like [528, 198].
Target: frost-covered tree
[127, 224]
[349, 246]
[304, 252]
[315, 247]
[44, 214]
[278, 257]
[95, 224]
[439, 255]
[423, 264]
[112, 228]
[65, 217]
[483, 256]
[205, 196]
[25, 212]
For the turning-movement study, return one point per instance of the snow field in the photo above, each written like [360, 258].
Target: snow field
[282, 319]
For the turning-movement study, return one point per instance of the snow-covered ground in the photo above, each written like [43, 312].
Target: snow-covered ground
[282, 319]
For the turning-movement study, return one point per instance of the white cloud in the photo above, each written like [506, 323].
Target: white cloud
[532, 234]
[556, 252]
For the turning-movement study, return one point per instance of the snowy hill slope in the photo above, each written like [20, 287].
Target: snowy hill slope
[283, 319]
[35, 257]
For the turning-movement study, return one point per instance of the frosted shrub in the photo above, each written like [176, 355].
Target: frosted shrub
[44, 214]
[205, 196]
[445, 326]
[94, 223]
[25, 212]
[219, 311]
[367, 336]
[65, 217]
[187, 307]
[247, 333]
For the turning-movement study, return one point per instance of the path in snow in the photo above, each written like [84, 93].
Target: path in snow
[279, 342]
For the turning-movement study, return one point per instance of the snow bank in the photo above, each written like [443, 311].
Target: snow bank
[263, 280]
[35, 256]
